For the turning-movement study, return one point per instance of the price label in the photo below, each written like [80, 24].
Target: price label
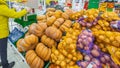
[90, 65]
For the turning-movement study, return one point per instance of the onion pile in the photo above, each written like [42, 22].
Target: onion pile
[89, 18]
[87, 24]
[91, 52]
[85, 40]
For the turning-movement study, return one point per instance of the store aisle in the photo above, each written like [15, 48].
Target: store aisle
[14, 56]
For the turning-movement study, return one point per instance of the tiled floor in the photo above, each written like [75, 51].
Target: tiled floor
[14, 56]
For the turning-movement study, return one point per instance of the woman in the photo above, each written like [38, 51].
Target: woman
[5, 14]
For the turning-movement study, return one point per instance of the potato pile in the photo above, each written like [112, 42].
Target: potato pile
[91, 52]
[109, 16]
[107, 38]
[77, 15]
[66, 55]
[102, 25]
[115, 54]
[62, 61]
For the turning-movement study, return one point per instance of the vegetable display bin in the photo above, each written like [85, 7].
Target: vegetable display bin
[29, 20]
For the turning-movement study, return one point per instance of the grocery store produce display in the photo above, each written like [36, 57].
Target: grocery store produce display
[92, 53]
[69, 39]
[66, 55]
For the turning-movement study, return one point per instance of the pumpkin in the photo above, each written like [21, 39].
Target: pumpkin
[56, 24]
[27, 43]
[41, 17]
[43, 52]
[42, 25]
[37, 29]
[18, 46]
[27, 33]
[69, 12]
[33, 60]
[65, 16]
[50, 20]
[51, 9]
[49, 14]
[63, 28]
[68, 23]
[54, 66]
[53, 33]
[48, 41]
[42, 21]
[59, 22]
[58, 13]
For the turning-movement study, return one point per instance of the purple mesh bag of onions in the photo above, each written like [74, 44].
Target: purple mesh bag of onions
[85, 41]
[87, 24]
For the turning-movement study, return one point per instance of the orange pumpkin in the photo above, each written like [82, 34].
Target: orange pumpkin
[67, 24]
[53, 33]
[65, 16]
[43, 52]
[58, 13]
[51, 9]
[48, 41]
[50, 20]
[37, 29]
[59, 22]
[33, 60]
[27, 43]
[41, 17]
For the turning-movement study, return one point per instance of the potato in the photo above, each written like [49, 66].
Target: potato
[95, 53]
[70, 56]
[63, 64]
[87, 58]
[103, 60]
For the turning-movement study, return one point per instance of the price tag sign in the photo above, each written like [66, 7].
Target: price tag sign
[90, 65]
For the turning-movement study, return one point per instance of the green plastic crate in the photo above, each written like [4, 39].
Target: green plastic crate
[93, 5]
[31, 19]
[94, 1]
